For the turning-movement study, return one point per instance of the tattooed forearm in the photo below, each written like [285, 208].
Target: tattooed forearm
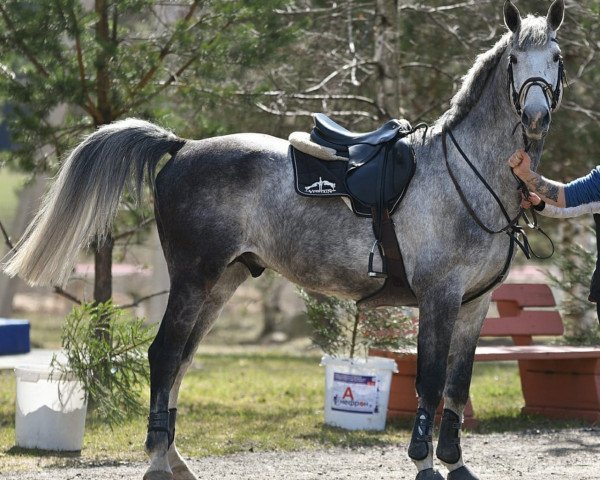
[547, 189]
[544, 187]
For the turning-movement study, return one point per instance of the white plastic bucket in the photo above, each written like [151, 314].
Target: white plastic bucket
[50, 410]
[357, 391]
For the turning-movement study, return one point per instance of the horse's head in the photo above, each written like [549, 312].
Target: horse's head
[535, 67]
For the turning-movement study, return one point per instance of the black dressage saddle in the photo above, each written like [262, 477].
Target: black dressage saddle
[380, 163]
[375, 176]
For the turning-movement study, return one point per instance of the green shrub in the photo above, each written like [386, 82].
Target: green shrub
[105, 349]
[340, 329]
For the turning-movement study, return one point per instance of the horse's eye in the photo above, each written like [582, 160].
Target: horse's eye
[557, 57]
[513, 59]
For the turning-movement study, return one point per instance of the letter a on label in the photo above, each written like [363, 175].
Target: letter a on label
[348, 393]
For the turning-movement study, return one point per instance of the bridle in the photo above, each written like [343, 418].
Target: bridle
[553, 93]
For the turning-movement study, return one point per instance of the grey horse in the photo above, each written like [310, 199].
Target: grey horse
[226, 208]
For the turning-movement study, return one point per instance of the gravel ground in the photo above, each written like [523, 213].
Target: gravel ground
[564, 454]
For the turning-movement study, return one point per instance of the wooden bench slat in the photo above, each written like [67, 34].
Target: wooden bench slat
[511, 352]
[525, 295]
[535, 352]
[530, 322]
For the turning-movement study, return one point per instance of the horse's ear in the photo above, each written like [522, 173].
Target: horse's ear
[556, 15]
[512, 17]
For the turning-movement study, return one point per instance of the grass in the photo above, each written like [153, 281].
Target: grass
[267, 402]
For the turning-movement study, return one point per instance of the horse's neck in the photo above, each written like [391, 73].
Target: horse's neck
[486, 136]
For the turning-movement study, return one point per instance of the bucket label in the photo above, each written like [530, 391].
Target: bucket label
[354, 393]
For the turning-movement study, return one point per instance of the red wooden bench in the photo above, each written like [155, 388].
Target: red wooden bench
[557, 381]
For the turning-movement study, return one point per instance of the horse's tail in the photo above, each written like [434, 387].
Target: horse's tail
[84, 198]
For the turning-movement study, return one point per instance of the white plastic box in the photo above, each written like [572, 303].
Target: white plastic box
[50, 411]
[357, 391]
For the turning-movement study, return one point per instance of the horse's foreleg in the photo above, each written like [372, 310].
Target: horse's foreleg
[225, 287]
[456, 394]
[437, 314]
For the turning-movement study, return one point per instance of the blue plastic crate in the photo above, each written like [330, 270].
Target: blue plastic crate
[14, 336]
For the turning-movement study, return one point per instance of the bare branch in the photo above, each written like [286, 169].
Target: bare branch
[336, 7]
[7, 240]
[450, 30]
[428, 66]
[333, 74]
[444, 8]
[306, 113]
[134, 230]
[67, 295]
[164, 51]
[143, 299]
[591, 114]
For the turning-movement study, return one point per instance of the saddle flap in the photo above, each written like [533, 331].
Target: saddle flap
[391, 170]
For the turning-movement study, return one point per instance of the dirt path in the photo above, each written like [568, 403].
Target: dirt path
[564, 454]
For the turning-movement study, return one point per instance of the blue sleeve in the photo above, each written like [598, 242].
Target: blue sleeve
[583, 190]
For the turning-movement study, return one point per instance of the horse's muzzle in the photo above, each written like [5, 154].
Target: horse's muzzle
[536, 122]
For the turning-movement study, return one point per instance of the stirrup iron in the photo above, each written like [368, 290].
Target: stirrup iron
[372, 272]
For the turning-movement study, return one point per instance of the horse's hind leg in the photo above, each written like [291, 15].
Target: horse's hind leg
[437, 314]
[458, 381]
[225, 287]
[191, 287]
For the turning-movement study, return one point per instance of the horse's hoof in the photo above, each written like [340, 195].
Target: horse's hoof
[462, 473]
[158, 475]
[429, 474]
[182, 472]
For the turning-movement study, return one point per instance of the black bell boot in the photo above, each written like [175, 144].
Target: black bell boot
[421, 437]
[429, 474]
[462, 473]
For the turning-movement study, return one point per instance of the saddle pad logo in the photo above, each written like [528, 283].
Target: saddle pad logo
[321, 186]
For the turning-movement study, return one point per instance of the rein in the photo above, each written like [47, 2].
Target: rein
[512, 228]
[511, 223]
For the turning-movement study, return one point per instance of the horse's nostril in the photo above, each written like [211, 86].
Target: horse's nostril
[546, 119]
[525, 119]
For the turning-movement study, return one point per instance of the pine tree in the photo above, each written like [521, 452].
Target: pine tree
[102, 60]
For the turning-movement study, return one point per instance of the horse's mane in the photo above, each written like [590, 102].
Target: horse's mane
[533, 32]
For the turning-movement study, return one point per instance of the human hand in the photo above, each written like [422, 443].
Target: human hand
[520, 162]
[533, 199]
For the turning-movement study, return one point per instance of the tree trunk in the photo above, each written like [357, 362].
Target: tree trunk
[103, 250]
[387, 56]
[103, 270]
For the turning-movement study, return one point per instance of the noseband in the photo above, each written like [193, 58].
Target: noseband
[552, 93]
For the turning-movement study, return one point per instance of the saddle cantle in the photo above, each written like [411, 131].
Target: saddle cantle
[326, 127]
[373, 170]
